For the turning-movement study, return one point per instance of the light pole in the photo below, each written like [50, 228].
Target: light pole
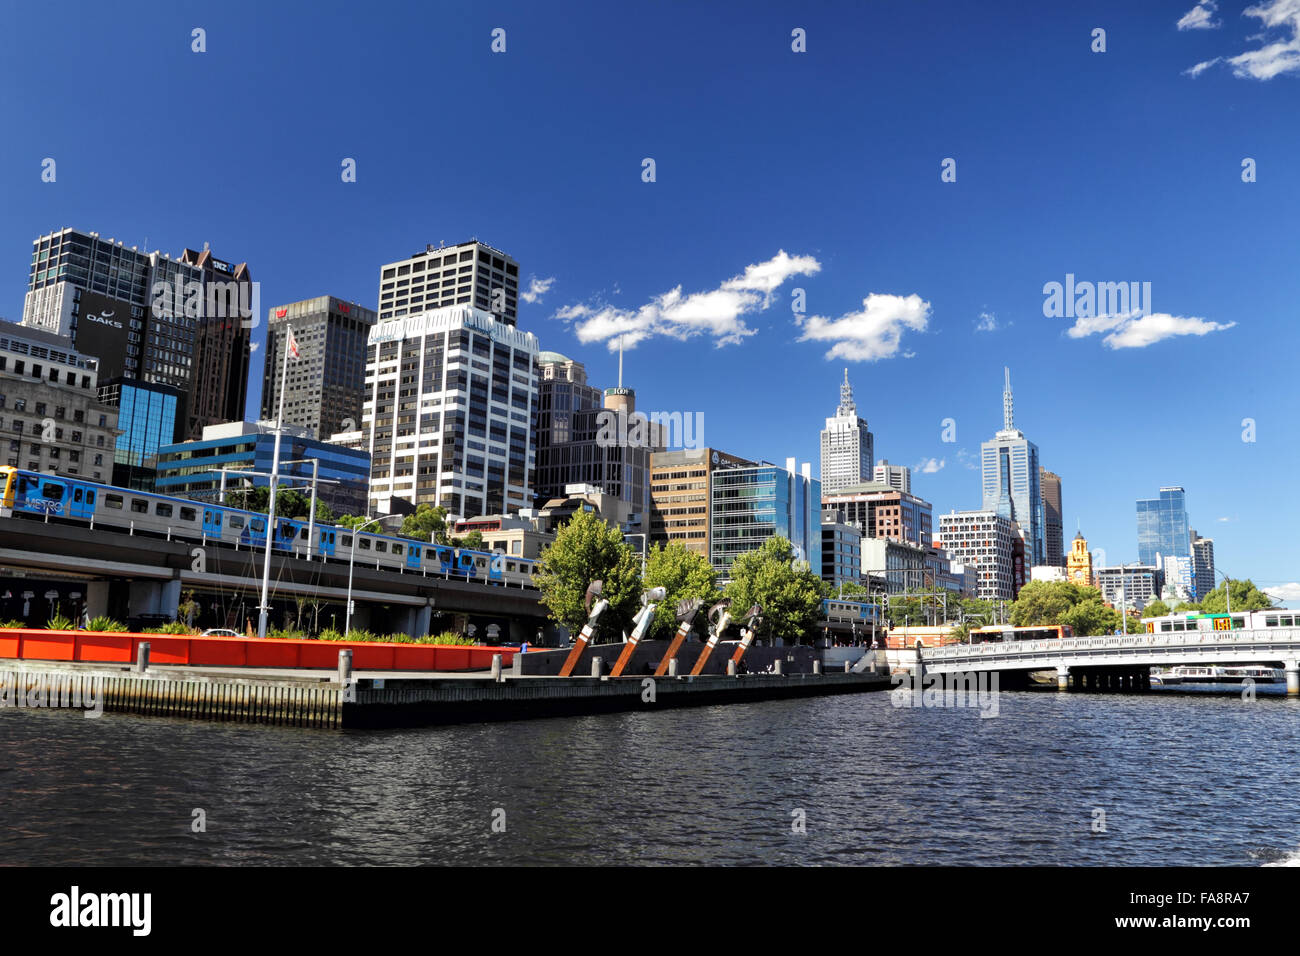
[347, 620]
[1227, 593]
[645, 540]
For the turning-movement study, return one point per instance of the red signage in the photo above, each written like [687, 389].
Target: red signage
[281, 313]
[343, 307]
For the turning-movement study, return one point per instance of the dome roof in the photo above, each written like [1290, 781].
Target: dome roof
[550, 358]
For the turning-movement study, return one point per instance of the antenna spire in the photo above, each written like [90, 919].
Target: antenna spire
[620, 361]
[1008, 404]
[847, 408]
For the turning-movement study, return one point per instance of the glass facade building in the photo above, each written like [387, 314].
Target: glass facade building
[750, 505]
[146, 417]
[1012, 483]
[1162, 526]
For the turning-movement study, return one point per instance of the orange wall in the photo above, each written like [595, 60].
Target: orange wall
[121, 647]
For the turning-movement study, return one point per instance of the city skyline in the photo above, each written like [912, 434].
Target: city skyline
[957, 291]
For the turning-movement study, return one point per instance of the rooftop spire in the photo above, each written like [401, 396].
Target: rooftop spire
[1008, 404]
[847, 409]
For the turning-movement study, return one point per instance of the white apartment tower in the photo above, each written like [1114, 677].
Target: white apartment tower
[898, 477]
[451, 395]
[471, 274]
[847, 446]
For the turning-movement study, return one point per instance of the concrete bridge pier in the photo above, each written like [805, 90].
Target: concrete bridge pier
[1292, 669]
[1062, 677]
[154, 598]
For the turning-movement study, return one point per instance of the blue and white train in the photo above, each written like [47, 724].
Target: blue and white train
[28, 494]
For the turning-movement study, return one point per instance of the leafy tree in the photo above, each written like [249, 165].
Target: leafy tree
[428, 523]
[1245, 597]
[851, 590]
[1045, 602]
[1156, 608]
[921, 609]
[350, 521]
[473, 541]
[1089, 617]
[685, 574]
[289, 503]
[1186, 607]
[790, 599]
[585, 550]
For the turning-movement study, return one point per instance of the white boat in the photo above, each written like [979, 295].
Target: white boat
[1214, 674]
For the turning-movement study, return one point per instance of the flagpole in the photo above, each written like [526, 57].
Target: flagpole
[275, 482]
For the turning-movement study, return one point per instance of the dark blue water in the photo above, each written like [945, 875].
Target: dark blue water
[1182, 779]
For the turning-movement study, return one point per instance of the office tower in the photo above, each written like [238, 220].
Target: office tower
[896, 476]
[895, 566]
[1053, 531]
[470, 274]
[1132, 585]
[192, 469]
[987, 541]
[1010, 479]
[1203, 578]
[881, 511]
[1162, 526]
[449, 414]
[847, 446]
[325, 386]
[1078, 564]
[49, 406]
[750, 505]
[219, 383]
[841, 552]
[584, 439]
[681, 484]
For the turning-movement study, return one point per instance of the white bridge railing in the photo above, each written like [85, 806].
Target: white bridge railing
[1196, 643]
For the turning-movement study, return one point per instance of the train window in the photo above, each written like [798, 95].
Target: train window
[52, 491]
[257, 526]
[510, 566]
[140, 506]
[397, 549]
[381, 546]
[302, 532]
[236, 522]
[365, 544]
[188, 514]
[76, 494]
[347, 541]
[1270, 620]
[162, 510]
[1238, 622]
[1166, 626]
[113, 501]
[1286, 622]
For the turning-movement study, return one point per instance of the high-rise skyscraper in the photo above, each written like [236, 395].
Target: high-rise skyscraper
[326, 385]
[896, 476]
[847, 446]
[449, 415]
[1011, 479]
[1162, 526]
[751, 505]
[1202, 565]
[222, 343]
[471, 274]
[1053, 532]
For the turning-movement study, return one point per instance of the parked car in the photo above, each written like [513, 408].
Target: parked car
[220, 632]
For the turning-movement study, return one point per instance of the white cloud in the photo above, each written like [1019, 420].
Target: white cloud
[1280, 57]
[1222, 519]
[872, 333]
[1134, 330]
[718, 313]
[536, 289]
[988, 322]
[1284, 592]
[967, 459]
[928, 466]
[252, 347]
[1200, 17]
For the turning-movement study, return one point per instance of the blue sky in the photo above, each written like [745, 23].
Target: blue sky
[1114, 166]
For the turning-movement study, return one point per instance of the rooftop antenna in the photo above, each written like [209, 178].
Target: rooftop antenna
[620, 360]
[1008, 404]
[847, 409]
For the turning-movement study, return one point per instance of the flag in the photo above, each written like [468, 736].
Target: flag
[293, 346]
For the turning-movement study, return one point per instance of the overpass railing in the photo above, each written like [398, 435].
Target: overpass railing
[1170, 640]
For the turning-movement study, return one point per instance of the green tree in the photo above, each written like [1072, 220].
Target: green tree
[289, 503]
[473, 541]
[1245, 597]
[1045, 602]
[585, 550]
[1090, 617]
[1156, 608]
[350, 521]
[790, 599]
[1187, 607]
[428, 523]
[684, 574]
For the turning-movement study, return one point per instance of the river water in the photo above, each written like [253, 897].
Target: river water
[1054, 778]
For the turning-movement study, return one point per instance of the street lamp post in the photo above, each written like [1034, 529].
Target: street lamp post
[1227, 593]
[347, 620]
[645, 540]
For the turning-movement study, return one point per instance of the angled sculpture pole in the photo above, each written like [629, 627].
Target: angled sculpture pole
[752, 620]
[641, 624]
[588, 629]
[719, 618]
[686, 611]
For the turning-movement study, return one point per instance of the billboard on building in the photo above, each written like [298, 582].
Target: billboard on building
[103, 328]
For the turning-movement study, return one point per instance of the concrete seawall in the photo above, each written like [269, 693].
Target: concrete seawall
[316, 699]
